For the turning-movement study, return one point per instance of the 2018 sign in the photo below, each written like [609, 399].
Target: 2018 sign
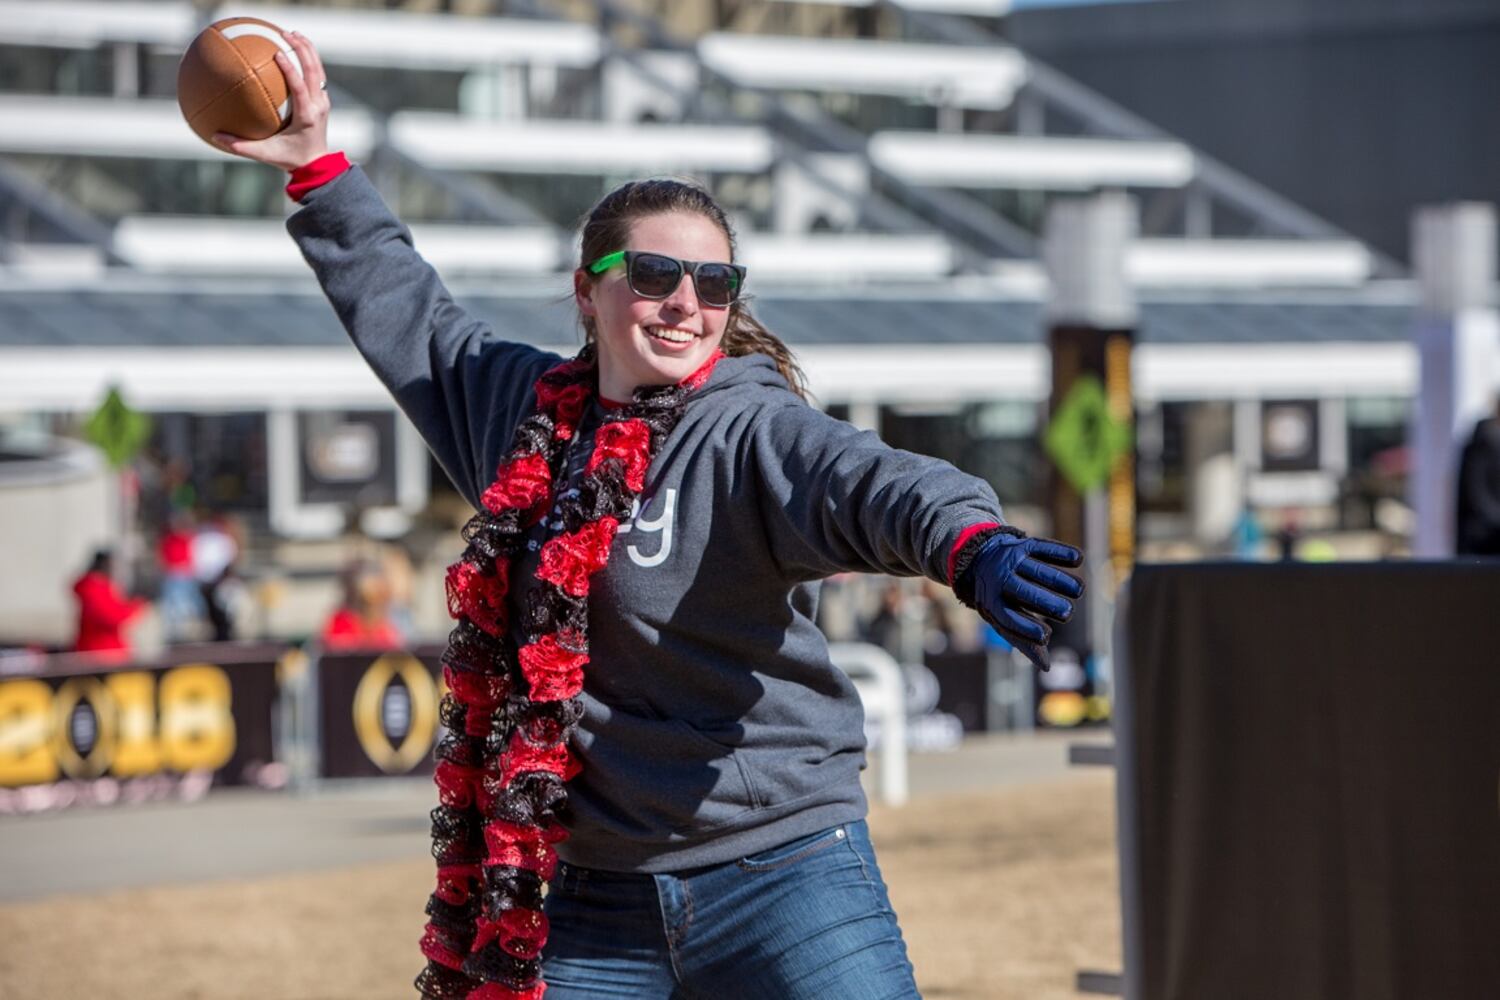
[125, 725]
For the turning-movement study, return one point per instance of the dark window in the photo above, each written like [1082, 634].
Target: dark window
[1161, 458]
[995, 441]
[221, 457]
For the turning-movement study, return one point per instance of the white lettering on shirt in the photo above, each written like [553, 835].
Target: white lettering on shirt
[661, 524]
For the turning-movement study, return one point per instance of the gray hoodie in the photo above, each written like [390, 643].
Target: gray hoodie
[714, 724]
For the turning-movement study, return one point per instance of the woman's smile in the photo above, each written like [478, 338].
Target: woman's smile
[673, 335]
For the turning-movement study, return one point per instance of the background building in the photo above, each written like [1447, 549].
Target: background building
[1357, 109]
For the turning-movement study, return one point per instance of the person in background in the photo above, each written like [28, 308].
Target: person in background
[362, 620]
[182, 602]
[884, 629]
[103, 610]
[901, 612]
[215, 552]
[1246, 536]
[400, 576]
[1478, 531]
[938, 627]
[1288, 536]
[224, 596]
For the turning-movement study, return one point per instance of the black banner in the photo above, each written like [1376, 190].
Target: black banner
[1309, 766]
[378, 712]
[76, 729]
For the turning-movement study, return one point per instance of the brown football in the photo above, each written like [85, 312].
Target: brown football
[228, 80]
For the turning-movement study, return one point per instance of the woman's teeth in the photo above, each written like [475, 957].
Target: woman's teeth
[671, 333]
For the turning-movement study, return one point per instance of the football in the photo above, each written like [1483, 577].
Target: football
[228, 80]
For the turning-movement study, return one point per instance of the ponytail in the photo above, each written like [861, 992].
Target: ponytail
[747, 335]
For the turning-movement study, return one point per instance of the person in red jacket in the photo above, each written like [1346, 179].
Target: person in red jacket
[362, 620]
[102, 609]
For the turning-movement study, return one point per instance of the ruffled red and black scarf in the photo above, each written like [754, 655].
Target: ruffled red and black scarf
[511, 707]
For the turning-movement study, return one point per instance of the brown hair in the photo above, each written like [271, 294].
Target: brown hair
[607, 229]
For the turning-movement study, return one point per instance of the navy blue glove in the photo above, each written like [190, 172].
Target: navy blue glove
[1014, 583]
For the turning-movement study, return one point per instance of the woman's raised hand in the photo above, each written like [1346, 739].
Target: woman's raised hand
[306, 138]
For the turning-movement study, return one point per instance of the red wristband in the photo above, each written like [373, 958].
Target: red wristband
[964, 536]
[311, 176]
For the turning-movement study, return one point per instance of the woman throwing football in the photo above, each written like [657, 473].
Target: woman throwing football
[641, 714]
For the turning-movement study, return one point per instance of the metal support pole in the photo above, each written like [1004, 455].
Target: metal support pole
[1198, 213]
[1031, 113]
[127, 69]
[1084, 250]
[1092, 312]
[1458, 347]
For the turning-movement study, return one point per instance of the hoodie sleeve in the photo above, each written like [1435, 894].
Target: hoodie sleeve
[839, 499]
[464, 389]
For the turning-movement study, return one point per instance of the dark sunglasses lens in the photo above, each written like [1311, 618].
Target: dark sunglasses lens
[654, 275]
[718, 284]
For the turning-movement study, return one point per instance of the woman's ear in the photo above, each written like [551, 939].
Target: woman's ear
[583, 289]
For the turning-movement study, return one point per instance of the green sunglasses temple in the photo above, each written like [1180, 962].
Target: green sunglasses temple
[606, 262]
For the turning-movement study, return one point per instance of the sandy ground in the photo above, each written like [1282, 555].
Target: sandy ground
[1003, 895]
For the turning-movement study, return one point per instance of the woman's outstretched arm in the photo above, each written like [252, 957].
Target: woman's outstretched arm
[841, 499]
[463, 388]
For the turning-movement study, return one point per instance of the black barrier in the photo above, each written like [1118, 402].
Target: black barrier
[378, 712]
[79, 729]
[1308, 763]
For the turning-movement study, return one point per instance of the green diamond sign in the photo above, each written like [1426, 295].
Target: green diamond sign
[1084, 438]
[117, 430]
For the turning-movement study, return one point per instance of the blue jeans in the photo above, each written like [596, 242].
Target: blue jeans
[181, 604]
[809, 920]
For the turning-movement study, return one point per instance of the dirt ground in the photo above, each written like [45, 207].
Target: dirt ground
[1002, 895]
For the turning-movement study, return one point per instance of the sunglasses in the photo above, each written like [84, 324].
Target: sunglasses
[655, 276]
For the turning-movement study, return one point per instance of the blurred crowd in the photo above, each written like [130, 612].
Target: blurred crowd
[197, 584]
[195, 581]
[908, 618]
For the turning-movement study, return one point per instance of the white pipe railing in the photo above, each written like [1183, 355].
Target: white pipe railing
[877, 677]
